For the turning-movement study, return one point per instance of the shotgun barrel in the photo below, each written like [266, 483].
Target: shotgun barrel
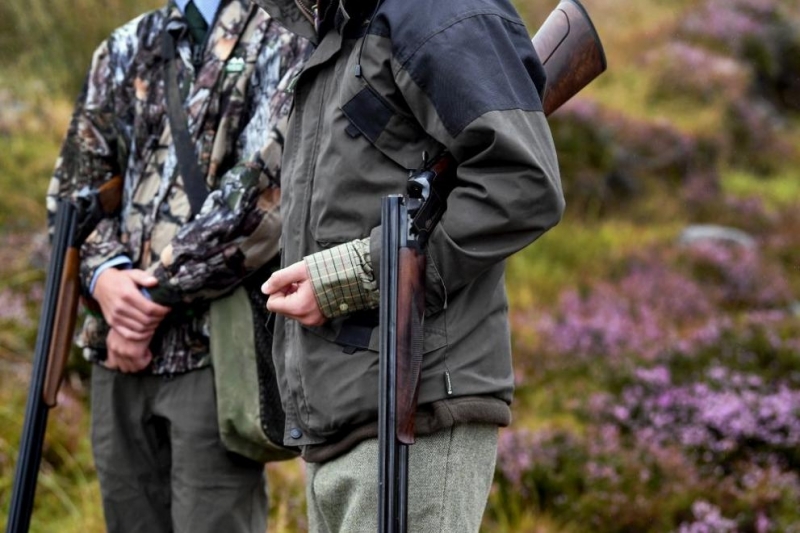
[36, 410]
[74, 221]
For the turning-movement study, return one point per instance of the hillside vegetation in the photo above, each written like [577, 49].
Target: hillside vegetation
[656, 331]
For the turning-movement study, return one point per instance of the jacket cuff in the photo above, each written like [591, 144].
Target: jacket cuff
[122, 262]
[343, 279]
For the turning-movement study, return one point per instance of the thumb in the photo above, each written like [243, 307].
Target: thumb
[276, 282]
[285, 277]
[142, 278]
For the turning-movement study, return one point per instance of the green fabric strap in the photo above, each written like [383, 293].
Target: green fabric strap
[198, 27]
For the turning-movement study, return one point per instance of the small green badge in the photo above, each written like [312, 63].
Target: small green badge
[235, 64]
[292, 84]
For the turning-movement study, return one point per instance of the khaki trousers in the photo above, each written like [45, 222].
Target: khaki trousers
[160, 461]
[450, 474]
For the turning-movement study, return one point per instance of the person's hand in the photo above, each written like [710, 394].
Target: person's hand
[291, 294]
[126, 355]
[124, 306]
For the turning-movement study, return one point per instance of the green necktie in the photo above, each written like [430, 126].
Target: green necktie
[197, 24]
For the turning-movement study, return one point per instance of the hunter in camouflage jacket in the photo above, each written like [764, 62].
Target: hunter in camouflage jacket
[236, 99]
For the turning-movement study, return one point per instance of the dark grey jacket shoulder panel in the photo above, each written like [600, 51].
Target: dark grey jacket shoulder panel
[463, 77]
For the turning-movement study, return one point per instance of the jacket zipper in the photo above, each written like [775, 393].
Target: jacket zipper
[308, 10]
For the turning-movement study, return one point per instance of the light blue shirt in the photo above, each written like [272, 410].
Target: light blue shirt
[207, 8]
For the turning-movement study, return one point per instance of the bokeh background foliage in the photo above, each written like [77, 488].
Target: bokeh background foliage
[656, 333]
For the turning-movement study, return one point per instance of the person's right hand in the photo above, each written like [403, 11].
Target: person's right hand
[291, 293]
[126, 355]
[124, 307]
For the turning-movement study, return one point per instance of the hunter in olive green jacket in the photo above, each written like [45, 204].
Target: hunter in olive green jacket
[370, 101]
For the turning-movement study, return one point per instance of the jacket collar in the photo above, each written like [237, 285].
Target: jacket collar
[295, 15]
[223, 36]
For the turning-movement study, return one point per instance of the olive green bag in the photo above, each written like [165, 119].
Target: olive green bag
[251, 418]
[249, 410]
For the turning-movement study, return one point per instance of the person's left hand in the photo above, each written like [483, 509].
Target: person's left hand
[127, 355]
[291, 294]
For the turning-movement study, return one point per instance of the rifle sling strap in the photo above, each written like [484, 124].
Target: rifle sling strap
[193, 182]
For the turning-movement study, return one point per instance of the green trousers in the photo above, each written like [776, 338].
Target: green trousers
[160, 461]
[450, 475]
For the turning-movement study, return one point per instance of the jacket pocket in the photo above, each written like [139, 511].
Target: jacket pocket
[398, 137]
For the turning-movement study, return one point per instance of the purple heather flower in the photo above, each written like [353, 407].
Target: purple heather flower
[708, 519]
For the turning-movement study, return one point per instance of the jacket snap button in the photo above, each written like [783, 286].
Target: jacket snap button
[295, 433]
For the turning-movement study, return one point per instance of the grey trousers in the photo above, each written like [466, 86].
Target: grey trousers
[160, 461]
[450, 475]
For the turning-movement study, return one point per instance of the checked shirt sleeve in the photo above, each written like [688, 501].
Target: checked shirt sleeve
[343, 279]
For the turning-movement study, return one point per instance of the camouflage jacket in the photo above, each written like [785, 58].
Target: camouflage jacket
[236, 102]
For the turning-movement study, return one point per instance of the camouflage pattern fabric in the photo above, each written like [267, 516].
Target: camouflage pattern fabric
[236, 99]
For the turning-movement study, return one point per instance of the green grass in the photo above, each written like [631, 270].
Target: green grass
[27, 163]
[72, 30]
[67, 492]
[779, 191]
[577, 253]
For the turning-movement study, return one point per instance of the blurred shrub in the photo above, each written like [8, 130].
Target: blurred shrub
[55, 40]
[756, 135]
[678, 300]
[606, 157]
[763, 34]
[694, 72]
[691, 422]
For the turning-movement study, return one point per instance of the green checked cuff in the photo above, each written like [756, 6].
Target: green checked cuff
[343, 279]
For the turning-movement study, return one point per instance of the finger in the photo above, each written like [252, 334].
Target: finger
[135, 322]
[154, 310]
[265, 287]
[130, 304]
[128, 362]
[133, 308]
[142, 278]
[122, 366]
[110, 361]
[144, 305]
[143, 361]
[135, 335]
[283, 279]
[288, 305]
[135, 362]
[300, 305]
[277, 303]
[275, 283]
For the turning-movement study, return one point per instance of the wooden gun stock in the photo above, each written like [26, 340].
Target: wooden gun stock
[570, 51]
[109, 195]
[74, 221]
[410, 310]
[107, 200]
[64, 326]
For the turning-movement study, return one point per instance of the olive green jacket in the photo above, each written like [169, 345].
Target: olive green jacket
[461, 76]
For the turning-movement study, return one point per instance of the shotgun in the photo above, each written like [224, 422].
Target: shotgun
[75, 219]
[572, 55]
